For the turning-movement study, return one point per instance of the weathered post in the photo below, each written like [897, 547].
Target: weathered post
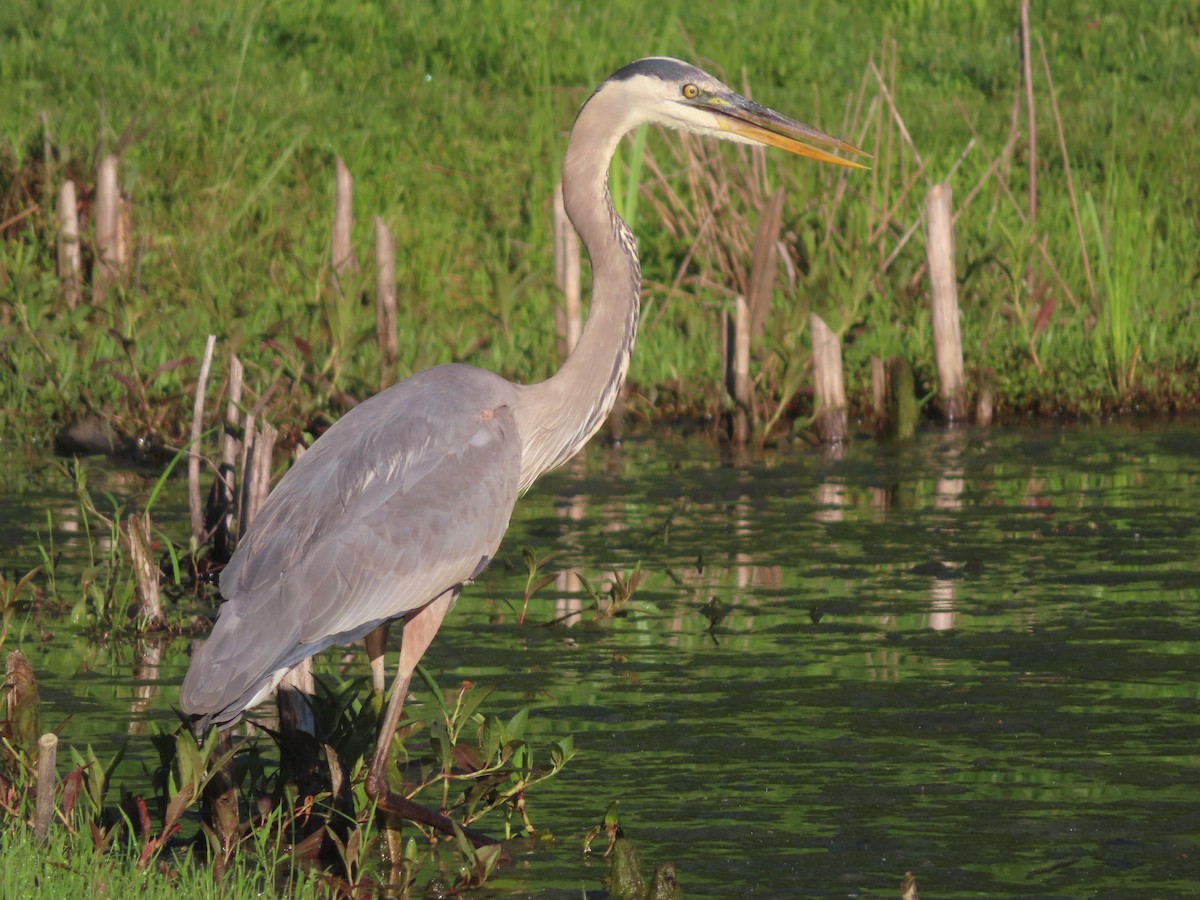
[137, 529]
[341, 249]
[567, 275]
[46, 784]
[902, 411]
[194, 455]
[828, 383]
[385, 300]
[107, 212]
[69, 264]
[947, 338]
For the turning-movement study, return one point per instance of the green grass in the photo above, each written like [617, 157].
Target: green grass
[452, 119]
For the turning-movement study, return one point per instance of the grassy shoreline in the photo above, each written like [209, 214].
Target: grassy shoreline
[452, 119]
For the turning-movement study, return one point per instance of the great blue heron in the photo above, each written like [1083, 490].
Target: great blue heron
[405, 499]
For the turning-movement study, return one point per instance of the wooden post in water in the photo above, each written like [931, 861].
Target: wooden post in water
[385, 301]
[902, 411]
[828, 383]
[985, 397]
[69, 265]
[879, 394]
[137, 529]
[107, 212]
[567, 274]
[47, 781]
[947, 338]
[341, 249]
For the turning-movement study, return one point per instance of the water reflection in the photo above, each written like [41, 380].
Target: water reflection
[969, 656]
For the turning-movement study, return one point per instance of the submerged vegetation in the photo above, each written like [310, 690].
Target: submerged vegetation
[227, 118]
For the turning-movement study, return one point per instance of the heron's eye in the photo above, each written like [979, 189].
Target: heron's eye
[690, 91]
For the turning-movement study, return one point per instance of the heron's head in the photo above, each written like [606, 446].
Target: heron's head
[667, 92]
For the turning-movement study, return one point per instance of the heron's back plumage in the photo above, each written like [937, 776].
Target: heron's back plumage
[405, 497]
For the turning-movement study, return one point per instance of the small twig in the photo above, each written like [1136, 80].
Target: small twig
[1062, 143]
[1027, 77]
[896, 114]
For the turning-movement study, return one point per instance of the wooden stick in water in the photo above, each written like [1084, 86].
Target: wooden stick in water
[947, 337]
[828, 383]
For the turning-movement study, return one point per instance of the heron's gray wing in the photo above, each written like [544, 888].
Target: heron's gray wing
[402, 499]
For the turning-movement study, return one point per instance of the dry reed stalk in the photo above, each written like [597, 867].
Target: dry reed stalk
[947, 336]
[194, 456]
[1020, 213]
[765, 264]
[69, 261]
[828, 383]
[47, 781]
[107, 213]
[1066, 157]
[738, 368]
[385, 300]
[341, 248]
[903, 129]
[1030, 118]
[137, 530]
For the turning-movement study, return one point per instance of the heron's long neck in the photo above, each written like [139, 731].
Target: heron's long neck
[563, 412]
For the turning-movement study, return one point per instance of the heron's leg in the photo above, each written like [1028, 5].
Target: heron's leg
[419, 629]
[377, 654]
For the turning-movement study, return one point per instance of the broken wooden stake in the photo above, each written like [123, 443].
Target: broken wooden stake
[146, 588]
[342, 250]
[828, 383]
[902, 410]
[218, 518]
[69, 265]
[947, 337]
[107, 212]
[985, 397]
[385, 301]
[567, 275]
[194, 456]
[47, 782]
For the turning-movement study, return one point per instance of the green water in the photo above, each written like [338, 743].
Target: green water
[972, 657]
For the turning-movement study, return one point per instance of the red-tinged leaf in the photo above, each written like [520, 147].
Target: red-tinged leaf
[170, 365]
[467, 758]
[72, 785]
[125, 381]
[1043, 317]
[303, 346]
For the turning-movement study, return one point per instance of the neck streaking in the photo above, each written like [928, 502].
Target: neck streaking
[560, 414]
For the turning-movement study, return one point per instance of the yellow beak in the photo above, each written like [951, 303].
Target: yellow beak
[753, 122]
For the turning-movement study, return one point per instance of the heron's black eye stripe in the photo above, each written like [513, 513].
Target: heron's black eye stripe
[690, 91]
